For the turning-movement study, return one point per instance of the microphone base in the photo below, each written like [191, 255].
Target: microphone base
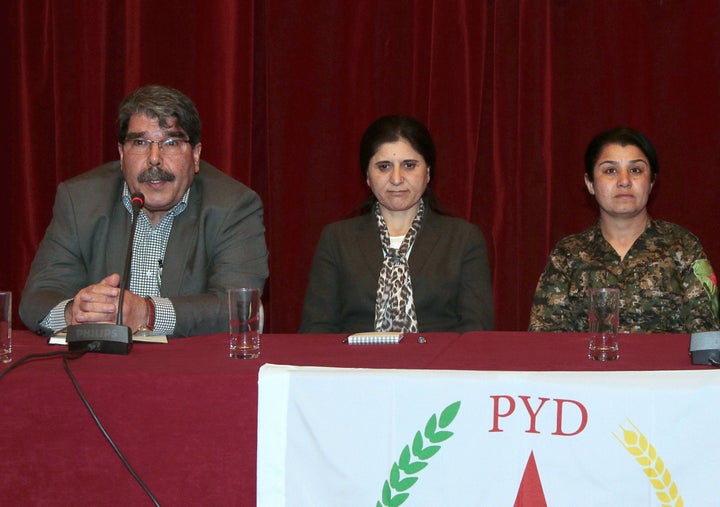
[103, 338]
[705, 348]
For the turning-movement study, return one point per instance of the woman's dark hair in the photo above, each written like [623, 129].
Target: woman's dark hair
[624, 136]
[161, 103]
[392, 128]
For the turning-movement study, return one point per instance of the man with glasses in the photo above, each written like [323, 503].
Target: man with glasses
[198, 233]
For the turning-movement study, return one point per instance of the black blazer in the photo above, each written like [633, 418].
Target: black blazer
[448, 267]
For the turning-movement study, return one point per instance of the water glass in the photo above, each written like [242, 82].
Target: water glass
[244, 312]
[604, 317]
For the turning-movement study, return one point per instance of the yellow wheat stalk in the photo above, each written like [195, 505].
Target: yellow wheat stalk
[657, 473]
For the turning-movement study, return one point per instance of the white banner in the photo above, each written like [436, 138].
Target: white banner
[370, 437]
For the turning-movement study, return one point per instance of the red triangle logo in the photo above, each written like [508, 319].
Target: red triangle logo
[531, 492]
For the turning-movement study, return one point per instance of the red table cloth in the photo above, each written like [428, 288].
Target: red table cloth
[184, 413]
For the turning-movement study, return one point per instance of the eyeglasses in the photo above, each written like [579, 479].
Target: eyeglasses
[169, 146]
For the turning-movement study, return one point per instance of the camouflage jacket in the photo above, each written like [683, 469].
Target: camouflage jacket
[660, 292]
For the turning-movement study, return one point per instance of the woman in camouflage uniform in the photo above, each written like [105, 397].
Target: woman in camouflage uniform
[665, 279]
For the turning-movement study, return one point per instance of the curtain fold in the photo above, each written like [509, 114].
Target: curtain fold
[511, 91]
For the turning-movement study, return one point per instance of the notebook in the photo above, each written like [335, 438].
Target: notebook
[59, 338]
[374, 337]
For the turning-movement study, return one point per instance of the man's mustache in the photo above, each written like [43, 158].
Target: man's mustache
[155, 174]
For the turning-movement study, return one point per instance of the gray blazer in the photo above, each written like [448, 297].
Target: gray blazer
[448, 267]
[218, 241]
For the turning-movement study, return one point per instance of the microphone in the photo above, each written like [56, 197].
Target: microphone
[137, 200]
[102, 337]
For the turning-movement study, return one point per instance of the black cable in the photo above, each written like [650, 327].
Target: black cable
[76, 355]
[24, 359]
[105, 433]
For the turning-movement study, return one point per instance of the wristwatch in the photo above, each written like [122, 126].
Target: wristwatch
[149, 327]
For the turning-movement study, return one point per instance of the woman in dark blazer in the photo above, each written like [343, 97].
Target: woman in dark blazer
[401, 265]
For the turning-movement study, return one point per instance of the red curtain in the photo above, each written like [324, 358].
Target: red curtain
[512, 92]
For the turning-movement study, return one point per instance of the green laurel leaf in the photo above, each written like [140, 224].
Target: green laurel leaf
[432, 434]
[404, 456]
[390, 500]
[448, 415]
[424, 453]
[386, 493]
[439, 436]
[404, 464]
[399, 499]
[400, 484]
[410, 468]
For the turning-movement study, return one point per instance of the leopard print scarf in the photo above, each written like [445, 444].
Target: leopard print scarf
[394, 304]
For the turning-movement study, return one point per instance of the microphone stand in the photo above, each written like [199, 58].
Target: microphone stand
[103, 337]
